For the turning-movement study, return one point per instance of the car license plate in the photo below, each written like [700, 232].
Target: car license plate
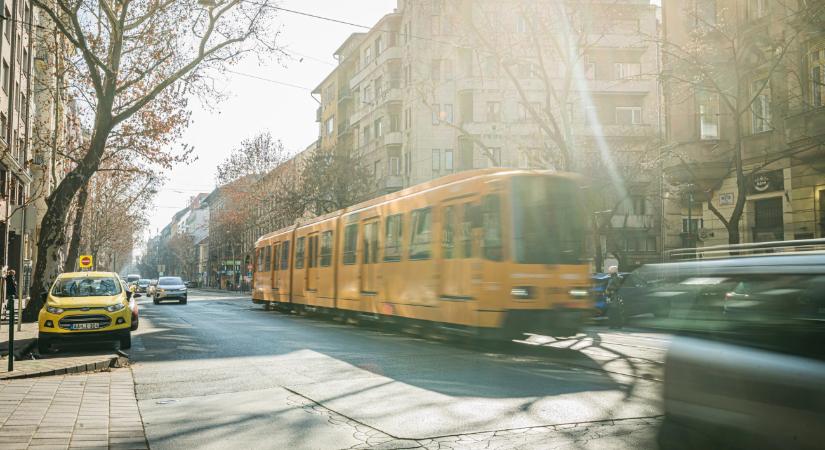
[85, 326]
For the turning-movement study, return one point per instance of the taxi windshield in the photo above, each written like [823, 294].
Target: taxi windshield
[85, 287]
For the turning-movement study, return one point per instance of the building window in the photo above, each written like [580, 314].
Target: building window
[408, 163]
[379, 46]
[757, 9]
[589, 67]
[761, 106]
[367, 56]
[639, 205]
[521, 24]
[330, 126]
[407, 119]
[393, 237]
[448, 160]
[708, 115]
[367, 136]
[493, 111]
[395, 166]
[436, 160]
[436, 113]
[705, 12]
[379, 127]
[628, 115]
[3, 126]
[367, 94]
[696, 224]
[7, 25]
[395, 122]
[421, 234]
[817, 65]
[627, 70]
[6, 76]
[379, 87]
[446, 114]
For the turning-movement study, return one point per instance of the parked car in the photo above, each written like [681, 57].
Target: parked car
[132, 304]
[170, 288]
[756, 378]
[190, 284]
[86, 306]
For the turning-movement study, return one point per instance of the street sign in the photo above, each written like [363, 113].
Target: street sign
[85, 261]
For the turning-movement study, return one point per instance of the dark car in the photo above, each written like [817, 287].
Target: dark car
[756, 378]
[143, 285]
[170, 288]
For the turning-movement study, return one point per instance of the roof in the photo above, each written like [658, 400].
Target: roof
[347, 41]
[418, 188]
[93, 274]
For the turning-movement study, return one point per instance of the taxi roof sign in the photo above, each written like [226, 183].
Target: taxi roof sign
[85, 261]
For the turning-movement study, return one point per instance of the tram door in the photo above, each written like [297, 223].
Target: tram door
[457, 257]
[312, 262]
[369, 258]
[276, 263]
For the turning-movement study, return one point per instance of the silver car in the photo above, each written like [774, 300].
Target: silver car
[170, 288]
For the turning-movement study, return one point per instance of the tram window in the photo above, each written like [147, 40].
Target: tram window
[491, 224]
[284, 255]
[447, 237]
[392, 237]
[350, 243]
[371, 243]
[267, 258]
[299, 253]
[276, 252]
[326, 248]
[313, 251]
[466, 231]
[259, 260]
[421, 235]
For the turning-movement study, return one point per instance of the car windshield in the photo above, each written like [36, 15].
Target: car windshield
[86, 287]
[170, 281]
[143, 282]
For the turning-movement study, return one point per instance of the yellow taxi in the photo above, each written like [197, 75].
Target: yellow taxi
[86, 306]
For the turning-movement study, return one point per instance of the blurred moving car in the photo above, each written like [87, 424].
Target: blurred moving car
[143, 285]
[756, 379]
[132, 278]
[170, 288]
[86, 306]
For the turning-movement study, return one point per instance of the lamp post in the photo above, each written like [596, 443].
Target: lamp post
[598, 237]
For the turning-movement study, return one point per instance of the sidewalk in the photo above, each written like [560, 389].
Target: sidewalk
[21, 337]
[71, 411]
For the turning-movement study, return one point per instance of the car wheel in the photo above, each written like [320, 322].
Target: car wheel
[155, 301]
[135, 324]
[183, 301]
[43, 345]
[126, 341]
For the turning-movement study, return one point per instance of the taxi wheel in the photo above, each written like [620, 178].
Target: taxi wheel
[43, 345]
[126, 341]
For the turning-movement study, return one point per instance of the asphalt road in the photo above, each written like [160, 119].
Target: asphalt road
[221, 372]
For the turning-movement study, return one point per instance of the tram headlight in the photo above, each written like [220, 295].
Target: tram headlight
[579, 293]
[523, 292]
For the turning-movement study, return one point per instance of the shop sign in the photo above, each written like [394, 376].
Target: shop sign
[767, 182]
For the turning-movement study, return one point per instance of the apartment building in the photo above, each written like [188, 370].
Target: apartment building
[748, 135]
[15, 128]
[442, 86]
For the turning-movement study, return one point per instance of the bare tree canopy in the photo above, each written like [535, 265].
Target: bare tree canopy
[255, 156]
[134, 65]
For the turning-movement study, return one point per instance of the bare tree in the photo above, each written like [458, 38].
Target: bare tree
[134, 67]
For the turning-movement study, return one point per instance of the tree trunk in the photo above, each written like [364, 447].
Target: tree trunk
[52, 236]
[77, 228]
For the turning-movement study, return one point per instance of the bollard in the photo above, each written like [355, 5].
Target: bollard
[11, 334]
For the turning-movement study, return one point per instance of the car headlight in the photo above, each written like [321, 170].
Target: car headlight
[54, 310]
[116, 307]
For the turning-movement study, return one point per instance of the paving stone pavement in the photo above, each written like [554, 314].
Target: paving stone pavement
[90, 411]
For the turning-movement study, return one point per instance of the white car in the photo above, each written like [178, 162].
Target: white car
[170, 288]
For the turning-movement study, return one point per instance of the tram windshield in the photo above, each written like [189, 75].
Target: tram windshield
[548, 221]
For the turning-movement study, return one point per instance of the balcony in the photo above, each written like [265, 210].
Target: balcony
[632, 221]
[343, 127]
[389, 95]
[387, 55]
[393, 138]
[344, 94]
[706, 166]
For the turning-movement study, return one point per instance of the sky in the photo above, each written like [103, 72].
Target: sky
[254, 105]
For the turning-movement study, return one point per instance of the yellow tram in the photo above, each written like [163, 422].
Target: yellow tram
[494, 253]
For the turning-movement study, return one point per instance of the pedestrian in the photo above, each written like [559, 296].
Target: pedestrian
[615, 305]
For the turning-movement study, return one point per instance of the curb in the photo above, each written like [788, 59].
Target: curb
[105, 363]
